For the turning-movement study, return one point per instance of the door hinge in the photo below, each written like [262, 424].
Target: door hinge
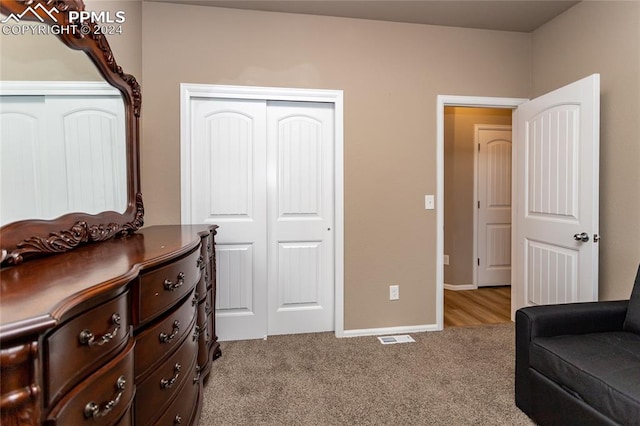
[478, 261]
[478, 147]
[478, 203]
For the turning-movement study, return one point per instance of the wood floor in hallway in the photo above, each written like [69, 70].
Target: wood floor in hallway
[488, 305]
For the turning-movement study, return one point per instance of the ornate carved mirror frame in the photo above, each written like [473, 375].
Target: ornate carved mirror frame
[29, 238]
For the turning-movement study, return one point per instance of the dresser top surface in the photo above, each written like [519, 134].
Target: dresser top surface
[37, 293]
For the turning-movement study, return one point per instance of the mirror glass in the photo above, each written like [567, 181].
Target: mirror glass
[62, 132]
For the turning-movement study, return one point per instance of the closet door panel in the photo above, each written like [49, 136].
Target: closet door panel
[229, 189]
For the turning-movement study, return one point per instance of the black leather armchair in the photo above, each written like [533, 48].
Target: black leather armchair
[578, 364]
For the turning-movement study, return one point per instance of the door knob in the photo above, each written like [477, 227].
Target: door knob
[584, 237]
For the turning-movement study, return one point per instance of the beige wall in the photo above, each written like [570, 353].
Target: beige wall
[391, 74]
[604, 37]
[459, 181]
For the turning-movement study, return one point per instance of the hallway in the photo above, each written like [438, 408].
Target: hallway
[488, 305]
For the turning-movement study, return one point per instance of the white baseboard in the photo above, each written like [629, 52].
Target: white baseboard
[458, 287]
[390, 330]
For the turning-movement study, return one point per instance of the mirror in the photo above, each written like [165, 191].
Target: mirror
[69, 128]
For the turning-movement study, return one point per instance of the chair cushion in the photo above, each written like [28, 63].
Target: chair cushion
[632, 320]
[602, 369]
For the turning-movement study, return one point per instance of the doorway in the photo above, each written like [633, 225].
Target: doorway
[477, 225]
[487, 104]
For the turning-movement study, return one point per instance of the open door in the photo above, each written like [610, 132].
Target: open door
[556, 155]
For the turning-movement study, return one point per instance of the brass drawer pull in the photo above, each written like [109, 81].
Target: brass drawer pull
[177, 420]
[170, 286]
[167, 383]
[197, 378]
[93, 410]
[166, 338]
[86, 337]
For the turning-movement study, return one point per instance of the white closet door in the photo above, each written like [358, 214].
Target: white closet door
[228, 184]
[23, 122]
[63, 153]
[92, 147]
[300, 169]
[263, 172]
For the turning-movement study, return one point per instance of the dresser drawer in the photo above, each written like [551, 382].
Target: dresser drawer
[81, 345]
[159, 289]
[159, 388]
[127, 418]
[163, 336]
[183, 410]
[102, 399]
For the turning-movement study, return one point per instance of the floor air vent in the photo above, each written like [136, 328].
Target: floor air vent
[391, 340]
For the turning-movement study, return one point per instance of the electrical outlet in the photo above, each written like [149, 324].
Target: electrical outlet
[445, 259]
[394, 292]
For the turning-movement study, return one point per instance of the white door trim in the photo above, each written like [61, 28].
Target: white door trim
[189, 91]
[467, 101]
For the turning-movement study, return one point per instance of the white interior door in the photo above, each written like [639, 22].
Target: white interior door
[494, 205]
[557, 155]
[228, 188]
[300, 168]
[263, 172]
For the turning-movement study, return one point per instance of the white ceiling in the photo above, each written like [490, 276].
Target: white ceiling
[505, 15]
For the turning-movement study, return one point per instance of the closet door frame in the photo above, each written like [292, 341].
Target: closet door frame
[335, 97]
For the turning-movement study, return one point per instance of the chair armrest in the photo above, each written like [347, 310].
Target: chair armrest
[572, 318]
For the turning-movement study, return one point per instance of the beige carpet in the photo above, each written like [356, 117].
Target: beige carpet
[460, 376]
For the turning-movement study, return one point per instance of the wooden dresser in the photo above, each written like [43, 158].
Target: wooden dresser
[119, 332]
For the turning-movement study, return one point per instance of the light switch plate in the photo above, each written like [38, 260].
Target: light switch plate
[429, 202]
[394, 292]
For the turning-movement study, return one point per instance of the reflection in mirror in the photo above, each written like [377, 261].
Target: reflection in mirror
[62, 132]
[81, 143]
[62, 149]
[42, 57]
